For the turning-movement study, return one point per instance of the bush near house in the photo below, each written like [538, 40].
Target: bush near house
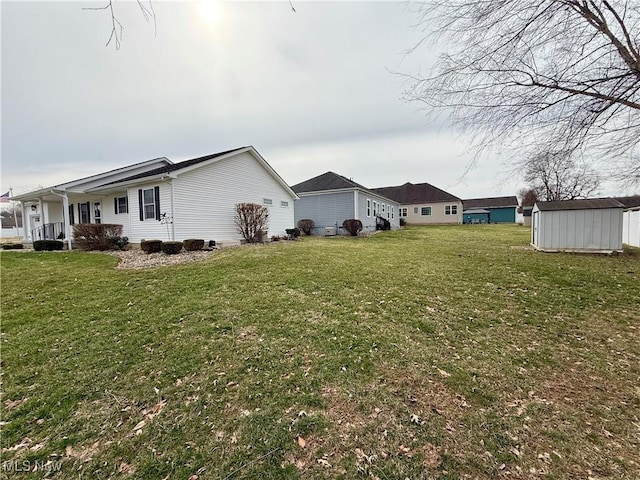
[353, 226]
[99, 236]
[12, 246]
[171, 248]
[251, 221]
[193, 244]
[306, 225]
[293, 232]
[47, 245]
[151, 246]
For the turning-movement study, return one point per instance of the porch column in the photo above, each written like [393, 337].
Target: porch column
[25, 225]
[41, 210]
[66, 219]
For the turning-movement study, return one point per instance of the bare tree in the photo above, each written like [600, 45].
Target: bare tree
[116, 27]
[529, 76]
[559, 176]
[251, 221]
[528, 197]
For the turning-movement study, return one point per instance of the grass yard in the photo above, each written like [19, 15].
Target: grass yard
[434, 352]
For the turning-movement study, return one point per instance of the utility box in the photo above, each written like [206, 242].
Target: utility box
[329, 231]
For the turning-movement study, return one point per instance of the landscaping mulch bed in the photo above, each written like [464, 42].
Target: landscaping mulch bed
[137, 259]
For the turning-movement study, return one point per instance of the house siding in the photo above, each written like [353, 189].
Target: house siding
[369, 223]
[437, 217]
[503, 215]
[205, 199]
[149, 229]
[578, 230]
[325, 209]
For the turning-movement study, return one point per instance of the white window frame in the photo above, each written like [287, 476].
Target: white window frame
[284, 203]
[125, 205]
[267, 201]
[146, 204]
[427, 209]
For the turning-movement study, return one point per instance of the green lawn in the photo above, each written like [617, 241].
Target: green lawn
[437, 352]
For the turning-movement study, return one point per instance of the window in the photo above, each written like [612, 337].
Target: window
[83, 212]
[149, 203]
[284, 203]
[368, 207]
[450, 209]
[402, 212]
[425, 211]
[97, 214]
[415, 209]
[383, 205]
[267, 201]
[121, 205]
[393, 210]
[375, 209]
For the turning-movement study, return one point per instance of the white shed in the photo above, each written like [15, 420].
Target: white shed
[591, 226]
[631, 220]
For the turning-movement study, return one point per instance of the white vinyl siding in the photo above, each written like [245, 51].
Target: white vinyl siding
[150, 229]
[205, 198]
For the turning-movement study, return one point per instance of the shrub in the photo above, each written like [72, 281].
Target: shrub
[151, 246]
[306, 225]
[276, 238]
[99, 236]
[353, 226]
[251, 221]
[47, 245]
[193, 244]
[12, 246]
[171, 248]
[403, 222]
[293, 232]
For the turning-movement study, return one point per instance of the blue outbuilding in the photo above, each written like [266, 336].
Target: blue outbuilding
[490, 210]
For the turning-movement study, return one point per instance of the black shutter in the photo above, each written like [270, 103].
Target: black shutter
[71, 217]
[115, 205]
[140, 205]
[156, 195]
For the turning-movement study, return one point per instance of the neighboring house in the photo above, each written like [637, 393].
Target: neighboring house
[330, 199]
[631, 220]
[422, 203]
[526, 215]
[158, 199]
[591, 225]
[501, 209]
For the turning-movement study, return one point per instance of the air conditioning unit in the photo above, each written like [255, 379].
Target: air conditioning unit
[329, 231]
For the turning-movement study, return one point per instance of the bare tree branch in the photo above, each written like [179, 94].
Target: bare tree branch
[531, 76]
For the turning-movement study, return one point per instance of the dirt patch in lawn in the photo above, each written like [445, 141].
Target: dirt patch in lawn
[137, 259]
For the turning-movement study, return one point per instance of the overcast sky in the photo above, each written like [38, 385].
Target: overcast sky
[312, 91]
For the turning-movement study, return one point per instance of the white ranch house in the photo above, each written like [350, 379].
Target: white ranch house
[159, 199]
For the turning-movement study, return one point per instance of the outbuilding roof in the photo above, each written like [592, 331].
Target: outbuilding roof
[491, 202]
[582, 204]
[632, 201]
[411, 193]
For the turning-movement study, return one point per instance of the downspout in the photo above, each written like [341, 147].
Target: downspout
[65, 216]
[355, 204]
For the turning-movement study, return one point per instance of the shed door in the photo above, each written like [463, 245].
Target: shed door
[535, 227]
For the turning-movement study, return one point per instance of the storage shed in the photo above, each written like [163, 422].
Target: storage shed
[631, 220]
[590, 226]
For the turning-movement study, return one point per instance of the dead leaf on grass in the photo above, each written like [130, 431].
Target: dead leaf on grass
[301, 441]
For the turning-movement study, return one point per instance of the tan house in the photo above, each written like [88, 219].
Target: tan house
[424, 204]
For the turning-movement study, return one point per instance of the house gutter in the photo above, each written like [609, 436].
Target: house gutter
[65, 216]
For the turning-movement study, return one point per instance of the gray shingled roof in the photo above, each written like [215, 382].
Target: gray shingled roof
[584, 204]
[491, 202]
[410, 193]
[173, 167]
[326, 181]
[629, 202]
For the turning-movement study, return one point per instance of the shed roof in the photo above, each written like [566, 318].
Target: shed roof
[411, 193]
[475, 210]
[491, 202]
[632, 201]
[583, 204]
